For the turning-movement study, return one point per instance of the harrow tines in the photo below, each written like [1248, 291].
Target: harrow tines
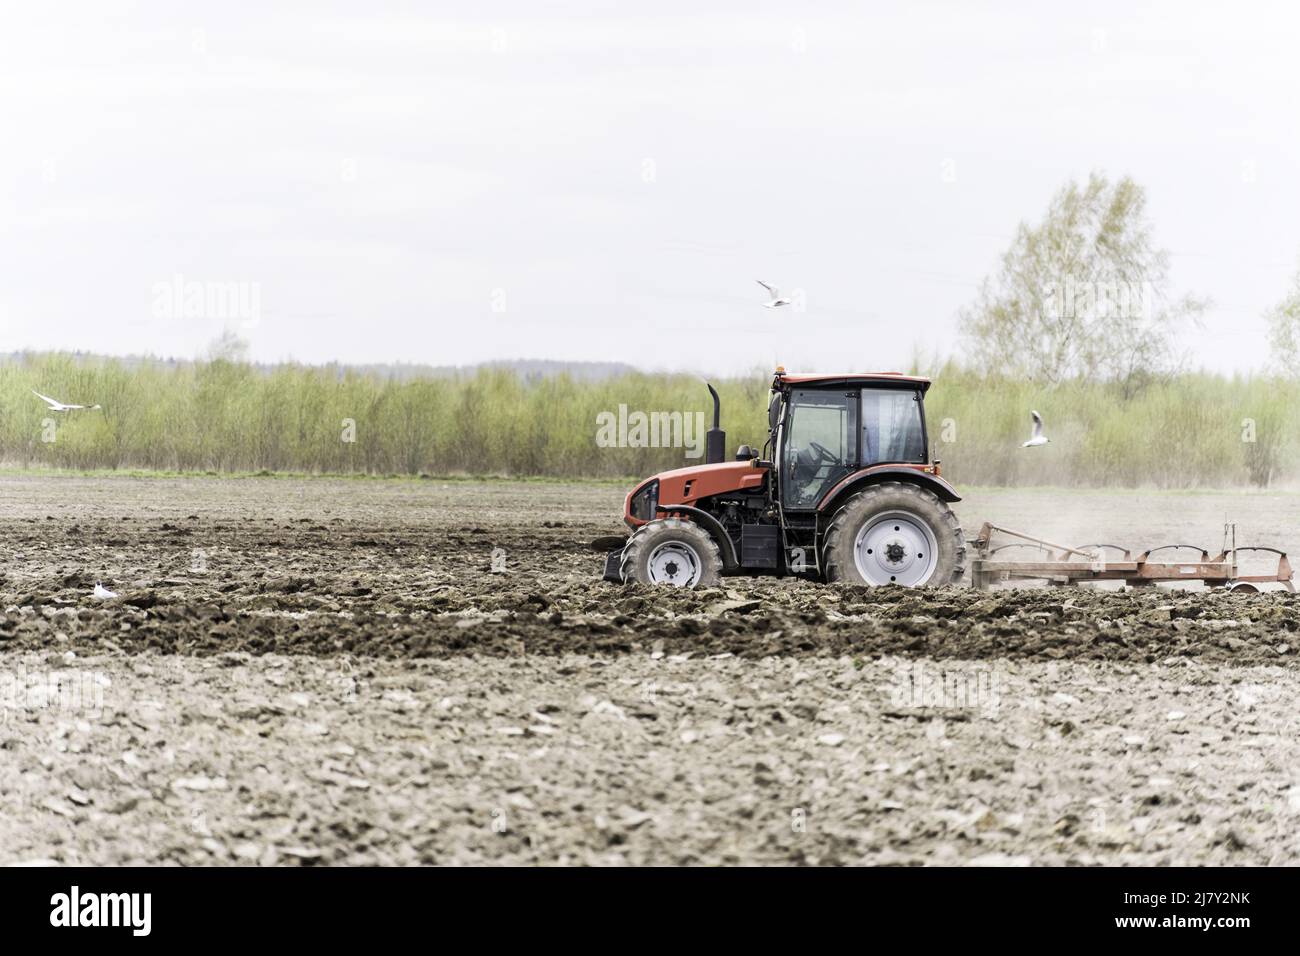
[1205, 554]
[1111, 562]
[1127, 555]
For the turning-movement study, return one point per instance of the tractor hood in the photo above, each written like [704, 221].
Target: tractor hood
[685, 486]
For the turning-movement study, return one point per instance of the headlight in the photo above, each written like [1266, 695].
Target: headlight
[646, 502]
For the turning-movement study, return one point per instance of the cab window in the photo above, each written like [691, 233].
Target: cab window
[820, 444]
[892, 429]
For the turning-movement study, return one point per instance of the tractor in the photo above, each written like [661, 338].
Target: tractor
[844, 490]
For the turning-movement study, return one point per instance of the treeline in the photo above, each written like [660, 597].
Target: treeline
[229, 416]
[226, 416]
[1187, 431]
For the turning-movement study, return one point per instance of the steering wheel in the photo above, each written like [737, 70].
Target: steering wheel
[824, 453]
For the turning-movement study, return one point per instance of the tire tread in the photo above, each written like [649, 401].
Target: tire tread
[645, 535]
[831, 568]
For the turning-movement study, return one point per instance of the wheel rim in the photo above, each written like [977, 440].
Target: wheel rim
[896, 548]
[675, 563]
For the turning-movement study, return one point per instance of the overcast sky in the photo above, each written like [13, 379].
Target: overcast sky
[455, 182]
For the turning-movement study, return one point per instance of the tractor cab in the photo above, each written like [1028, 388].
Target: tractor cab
[844, 490]
[825, 429]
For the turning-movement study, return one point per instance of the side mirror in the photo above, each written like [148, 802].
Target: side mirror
[774, 412]
[745, 453]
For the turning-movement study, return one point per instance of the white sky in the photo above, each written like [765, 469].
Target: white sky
[380, 170]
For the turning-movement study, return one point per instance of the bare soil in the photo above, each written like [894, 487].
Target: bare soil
[320, 671]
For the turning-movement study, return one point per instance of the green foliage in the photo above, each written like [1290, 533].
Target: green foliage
[226, 416]
[1284, 331]
[1082, 294]
[1190, 431]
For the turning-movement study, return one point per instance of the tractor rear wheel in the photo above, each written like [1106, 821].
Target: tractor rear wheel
[672, 551]
[894, 533]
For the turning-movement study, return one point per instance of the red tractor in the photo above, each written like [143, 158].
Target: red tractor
[844, 491]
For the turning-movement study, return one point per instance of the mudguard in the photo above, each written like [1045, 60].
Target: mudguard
[933, 483]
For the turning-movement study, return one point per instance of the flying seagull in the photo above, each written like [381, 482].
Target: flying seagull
[57, 406]
[776, 299]
[102, 593]
[1039, 438]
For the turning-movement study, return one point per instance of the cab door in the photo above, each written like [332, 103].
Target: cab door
[820, 444]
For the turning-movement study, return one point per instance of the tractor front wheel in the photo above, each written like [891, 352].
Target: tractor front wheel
[894, 533]
[672, 551]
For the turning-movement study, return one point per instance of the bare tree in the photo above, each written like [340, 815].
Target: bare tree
[1284, 331]
[229, 347]
[1082, 294]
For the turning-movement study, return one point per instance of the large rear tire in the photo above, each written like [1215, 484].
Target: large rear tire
[894, 533]
[673, 552]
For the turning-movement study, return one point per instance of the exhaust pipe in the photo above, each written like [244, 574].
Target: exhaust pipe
[715, 439]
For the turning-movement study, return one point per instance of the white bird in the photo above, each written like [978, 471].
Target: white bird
[776, 299]
[57, 406]
[1039, 438]
[102, 593]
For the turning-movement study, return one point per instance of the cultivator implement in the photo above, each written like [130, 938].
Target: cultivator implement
[999, 557]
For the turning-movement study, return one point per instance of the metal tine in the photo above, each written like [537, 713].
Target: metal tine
[1128, 555]
[1006, 547]
[1205, 555]
[1048, 545]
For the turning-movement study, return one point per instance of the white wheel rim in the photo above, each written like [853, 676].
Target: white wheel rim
[896, 548]
[675, 563]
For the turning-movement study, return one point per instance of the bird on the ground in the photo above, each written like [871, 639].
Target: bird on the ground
[102, 593]
[775, 293]
[58, 406]
[1038, 438]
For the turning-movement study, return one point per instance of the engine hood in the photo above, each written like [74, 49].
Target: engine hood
[686, 486]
